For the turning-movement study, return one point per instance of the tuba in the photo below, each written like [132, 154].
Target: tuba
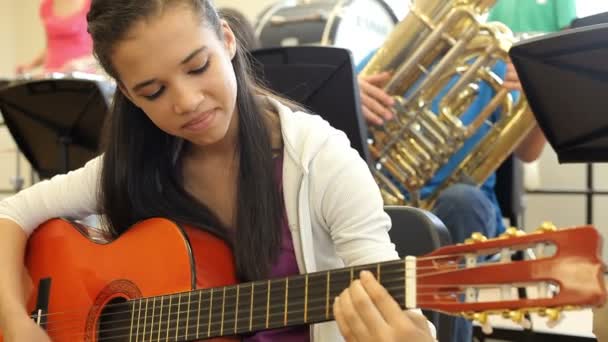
[437, 41]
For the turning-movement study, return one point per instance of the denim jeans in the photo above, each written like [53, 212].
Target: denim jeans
[465, 209]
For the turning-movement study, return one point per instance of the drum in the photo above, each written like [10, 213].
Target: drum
[358, 25]
[56, 119]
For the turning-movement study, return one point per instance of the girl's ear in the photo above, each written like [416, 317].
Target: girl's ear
[230, 41]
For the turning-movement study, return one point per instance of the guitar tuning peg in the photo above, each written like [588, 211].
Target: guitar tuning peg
[482, 319]
[475, 238]
[516, 316]
[512, 232]
[487, 329]
[555, 316]
[546, 227]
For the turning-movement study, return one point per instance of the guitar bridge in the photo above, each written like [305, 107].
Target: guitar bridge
[42, 302]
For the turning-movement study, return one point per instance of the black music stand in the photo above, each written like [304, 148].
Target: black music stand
[56, 123]
[565, 78]
[323, 80]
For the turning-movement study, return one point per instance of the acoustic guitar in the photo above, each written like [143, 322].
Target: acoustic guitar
[162, 282]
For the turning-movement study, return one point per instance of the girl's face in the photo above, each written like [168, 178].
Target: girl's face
[179, 72]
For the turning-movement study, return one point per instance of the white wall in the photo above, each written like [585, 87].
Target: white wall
[250, 8]
[21, 39]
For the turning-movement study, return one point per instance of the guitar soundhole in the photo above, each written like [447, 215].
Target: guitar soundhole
[115, 321]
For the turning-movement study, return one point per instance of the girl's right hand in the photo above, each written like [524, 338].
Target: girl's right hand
[25, 330]
[23, 68]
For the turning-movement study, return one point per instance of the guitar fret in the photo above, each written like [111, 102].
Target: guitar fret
[286, 300]
[210, 312]
[295, 299]
[191, 317]
[306, 299]
[244, 308]
[392, 280]
[230, 309]
[316, 304]
[276, 304]
[378, 273]
[223, 304]
[198, 314]
[169, 318]
[268, 304]
[138, 320]
[132, 318]
[404, 279]
[251, 307]
[152, 318]
[259, 305]
[327, 296]
[236, 308]
[160, 317]
[179, 306]
[188, 315]
[145, 320]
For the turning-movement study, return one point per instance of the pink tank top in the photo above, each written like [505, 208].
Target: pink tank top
[67, 37]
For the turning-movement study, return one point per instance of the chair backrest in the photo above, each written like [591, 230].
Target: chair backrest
[509, 190]
[416, 232]
[321, 78]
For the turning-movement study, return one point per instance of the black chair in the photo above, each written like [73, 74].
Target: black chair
[509, 190]
[417, 232]
[322, 79]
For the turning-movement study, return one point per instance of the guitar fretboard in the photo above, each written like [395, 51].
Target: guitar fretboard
[249, 307]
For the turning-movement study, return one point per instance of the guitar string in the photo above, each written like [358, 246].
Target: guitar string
[231, 308]
[261, 285]
[399, 280]
[229, 322]
[322, 273]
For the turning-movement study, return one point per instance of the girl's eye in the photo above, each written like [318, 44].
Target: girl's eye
[160, 90]
[199, 70]
[155, 95]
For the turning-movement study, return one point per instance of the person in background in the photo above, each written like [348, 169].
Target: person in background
[532, 17]
[464, 208]
[68, 45]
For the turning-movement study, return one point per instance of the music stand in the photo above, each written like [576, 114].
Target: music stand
[565, 78]
[323, 80]
[56, 123]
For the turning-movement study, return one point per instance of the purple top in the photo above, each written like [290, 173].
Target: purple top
[286, 265]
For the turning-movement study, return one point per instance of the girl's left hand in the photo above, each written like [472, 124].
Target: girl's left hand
[365, 311]
[512, 79]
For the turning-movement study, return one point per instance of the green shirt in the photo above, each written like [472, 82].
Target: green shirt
[534, 15]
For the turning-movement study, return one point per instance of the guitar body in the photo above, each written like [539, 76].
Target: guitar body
[87, 272]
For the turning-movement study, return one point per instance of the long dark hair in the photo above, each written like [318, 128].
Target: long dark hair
[141, 175]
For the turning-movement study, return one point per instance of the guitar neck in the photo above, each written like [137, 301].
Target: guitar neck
[254, 306]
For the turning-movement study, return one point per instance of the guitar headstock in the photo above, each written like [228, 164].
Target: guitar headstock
[560, 268]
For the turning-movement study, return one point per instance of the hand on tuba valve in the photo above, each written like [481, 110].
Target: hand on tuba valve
[375, 102]
[511, 79]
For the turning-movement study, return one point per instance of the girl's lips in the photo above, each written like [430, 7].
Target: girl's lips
[200, 121]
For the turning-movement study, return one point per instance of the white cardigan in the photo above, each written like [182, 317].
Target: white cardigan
[334, 208]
